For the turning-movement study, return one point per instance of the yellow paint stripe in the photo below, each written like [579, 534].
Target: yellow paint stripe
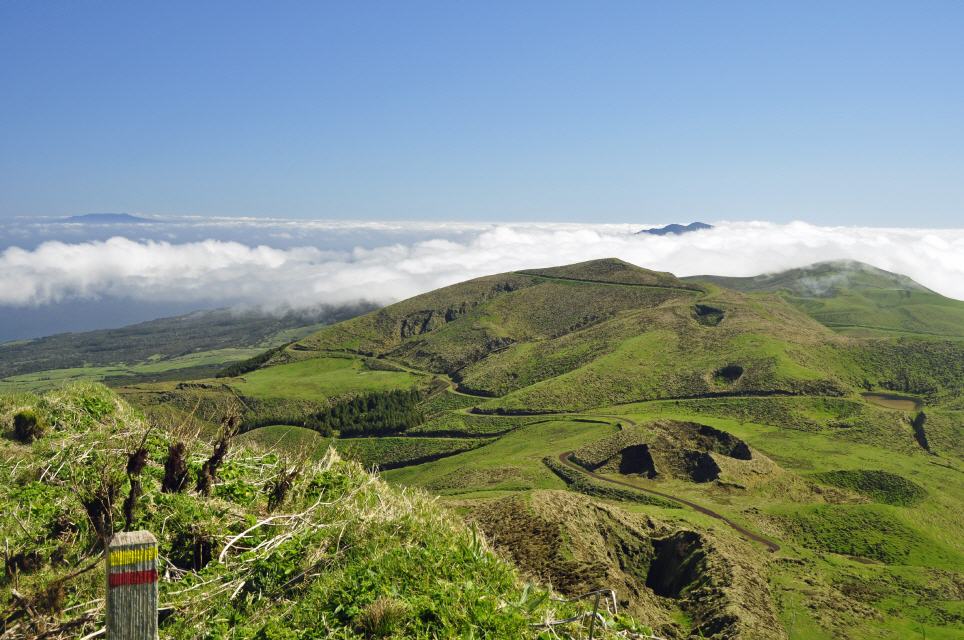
[132, 556]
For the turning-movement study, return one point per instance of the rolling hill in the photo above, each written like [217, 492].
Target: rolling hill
[607, 332]
[858, 299]
[193, 345]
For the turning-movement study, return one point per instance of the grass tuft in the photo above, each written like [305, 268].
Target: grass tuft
[28, 426]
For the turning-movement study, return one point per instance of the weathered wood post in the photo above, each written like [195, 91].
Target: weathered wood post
[132, 586]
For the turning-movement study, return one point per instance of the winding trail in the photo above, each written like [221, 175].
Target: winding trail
[771, 546]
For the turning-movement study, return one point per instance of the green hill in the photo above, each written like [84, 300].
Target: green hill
[858, 299]
[605, 332]
[196, 345]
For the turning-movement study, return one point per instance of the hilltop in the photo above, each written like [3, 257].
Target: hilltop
[820, 280]
[858, 299]
[676, 229]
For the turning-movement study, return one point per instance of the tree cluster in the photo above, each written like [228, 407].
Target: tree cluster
[372, 414]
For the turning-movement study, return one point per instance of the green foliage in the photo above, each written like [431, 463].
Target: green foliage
[443, 403]
[457, 424]
[158, 343]
[585, 338]
[858, 299]
[317, 379]
[28, 426]
[804, 414]
[612, 271]
[287, 438]
[370, 414]
[881, 486]
[511, 462]
[932, 368]
[260, 413]
[593, 454]
[378, 413]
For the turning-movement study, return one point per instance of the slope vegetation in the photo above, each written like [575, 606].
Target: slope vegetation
[252, 545]
[593, 334]
[195, 345]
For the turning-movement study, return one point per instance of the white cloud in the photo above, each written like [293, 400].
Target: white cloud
[231, 272]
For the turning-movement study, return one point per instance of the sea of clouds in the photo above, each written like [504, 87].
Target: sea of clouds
[284, 264]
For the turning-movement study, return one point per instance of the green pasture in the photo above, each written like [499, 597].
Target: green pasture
[44, 380]
[512, 462]
[320, 378]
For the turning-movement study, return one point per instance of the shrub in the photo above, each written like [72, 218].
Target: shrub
[28, 426]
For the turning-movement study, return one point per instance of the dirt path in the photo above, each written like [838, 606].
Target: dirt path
[772, 546]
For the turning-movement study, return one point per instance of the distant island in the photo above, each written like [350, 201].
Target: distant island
[107, 218]
[676, 228]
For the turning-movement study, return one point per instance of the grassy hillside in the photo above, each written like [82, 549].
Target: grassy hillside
[195, 345]
[271, 547]
[604, 332]
[321, 378]
[858, 299]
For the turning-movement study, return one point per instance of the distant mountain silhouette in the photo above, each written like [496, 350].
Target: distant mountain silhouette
[107, 218]
[676, 228]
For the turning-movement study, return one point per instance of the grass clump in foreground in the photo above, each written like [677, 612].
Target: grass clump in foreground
[28, 426]
[280, 549]
[880, 486]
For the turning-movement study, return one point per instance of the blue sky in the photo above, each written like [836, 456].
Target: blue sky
[834, 113]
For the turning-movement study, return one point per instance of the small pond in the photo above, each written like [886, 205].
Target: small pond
[893, 401]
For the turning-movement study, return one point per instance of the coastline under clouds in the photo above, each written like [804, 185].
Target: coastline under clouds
[277, 264]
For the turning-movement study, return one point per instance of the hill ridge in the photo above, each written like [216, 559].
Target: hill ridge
[611, 271]
[837, 272]
[857, 298]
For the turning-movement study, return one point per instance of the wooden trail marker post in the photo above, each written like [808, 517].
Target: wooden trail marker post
[132, 586]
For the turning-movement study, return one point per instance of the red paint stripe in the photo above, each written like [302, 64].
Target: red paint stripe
[129, 578]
